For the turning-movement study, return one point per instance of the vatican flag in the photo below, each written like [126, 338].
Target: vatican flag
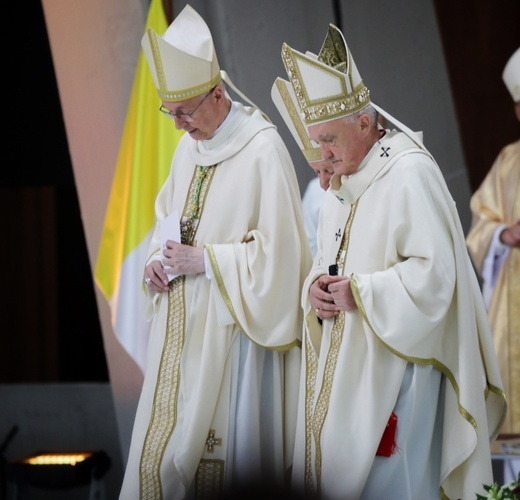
[147, 145]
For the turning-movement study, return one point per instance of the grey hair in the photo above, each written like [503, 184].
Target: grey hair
[368, 110]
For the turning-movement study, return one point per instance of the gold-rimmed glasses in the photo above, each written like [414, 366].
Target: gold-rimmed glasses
[184, 116]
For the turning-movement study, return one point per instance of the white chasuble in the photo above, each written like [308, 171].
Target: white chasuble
[418, 345]
[218, 404]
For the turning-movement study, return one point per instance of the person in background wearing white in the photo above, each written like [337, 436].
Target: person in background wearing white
[313, 198]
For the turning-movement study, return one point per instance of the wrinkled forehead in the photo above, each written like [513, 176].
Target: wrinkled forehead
[325, 130]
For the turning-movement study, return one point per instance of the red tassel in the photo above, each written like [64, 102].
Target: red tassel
[388, 446]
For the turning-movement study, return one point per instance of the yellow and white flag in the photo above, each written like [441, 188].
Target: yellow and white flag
[147, 146]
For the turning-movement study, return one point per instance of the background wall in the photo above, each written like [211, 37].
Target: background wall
[478, 40]
[434, 65]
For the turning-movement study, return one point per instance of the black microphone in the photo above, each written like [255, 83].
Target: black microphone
[333, 271]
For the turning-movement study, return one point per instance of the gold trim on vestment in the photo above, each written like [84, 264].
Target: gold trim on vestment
[209, 479]
[311, 363]
[315, 416]
[426, 361]
[225, 296]
[164, 410]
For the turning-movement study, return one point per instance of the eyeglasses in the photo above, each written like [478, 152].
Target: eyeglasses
[184, 116]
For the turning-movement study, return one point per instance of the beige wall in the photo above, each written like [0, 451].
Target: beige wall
[95, 46]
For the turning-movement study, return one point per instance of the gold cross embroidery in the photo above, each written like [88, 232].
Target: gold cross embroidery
[212, 441]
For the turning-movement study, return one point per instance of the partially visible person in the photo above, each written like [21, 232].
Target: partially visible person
[494, 245]
[311, 203]
[400, 392]
[312, 199]
[285, 101]
[223, 280]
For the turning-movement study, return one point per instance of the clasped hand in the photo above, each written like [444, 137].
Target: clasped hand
[331, 294]
[176, 259]
[510, 236]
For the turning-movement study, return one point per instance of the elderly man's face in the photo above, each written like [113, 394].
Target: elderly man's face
[197, 116]
[341, 143]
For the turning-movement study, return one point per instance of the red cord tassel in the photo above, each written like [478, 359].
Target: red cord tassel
[388, 446]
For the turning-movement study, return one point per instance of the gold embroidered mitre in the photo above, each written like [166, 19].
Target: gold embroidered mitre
[284, 99]
[327, 86]
[183, 61]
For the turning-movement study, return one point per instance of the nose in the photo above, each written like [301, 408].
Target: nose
[326, 153]
[180, 122]
[324, 181]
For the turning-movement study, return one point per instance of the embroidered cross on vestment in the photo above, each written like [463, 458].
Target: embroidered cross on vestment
[384, 152]
[212, 441]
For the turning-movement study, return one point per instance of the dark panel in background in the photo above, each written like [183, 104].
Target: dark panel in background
[37, 150]
[49, 323]
[478, 39]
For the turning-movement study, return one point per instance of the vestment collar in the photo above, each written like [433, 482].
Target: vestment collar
[349, 188]
[231, 138]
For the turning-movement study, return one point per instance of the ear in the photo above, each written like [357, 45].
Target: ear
[218, 94]
[364, 122]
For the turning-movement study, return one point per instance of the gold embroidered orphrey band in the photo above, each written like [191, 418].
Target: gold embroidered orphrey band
[164, 413]
[315, 417]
